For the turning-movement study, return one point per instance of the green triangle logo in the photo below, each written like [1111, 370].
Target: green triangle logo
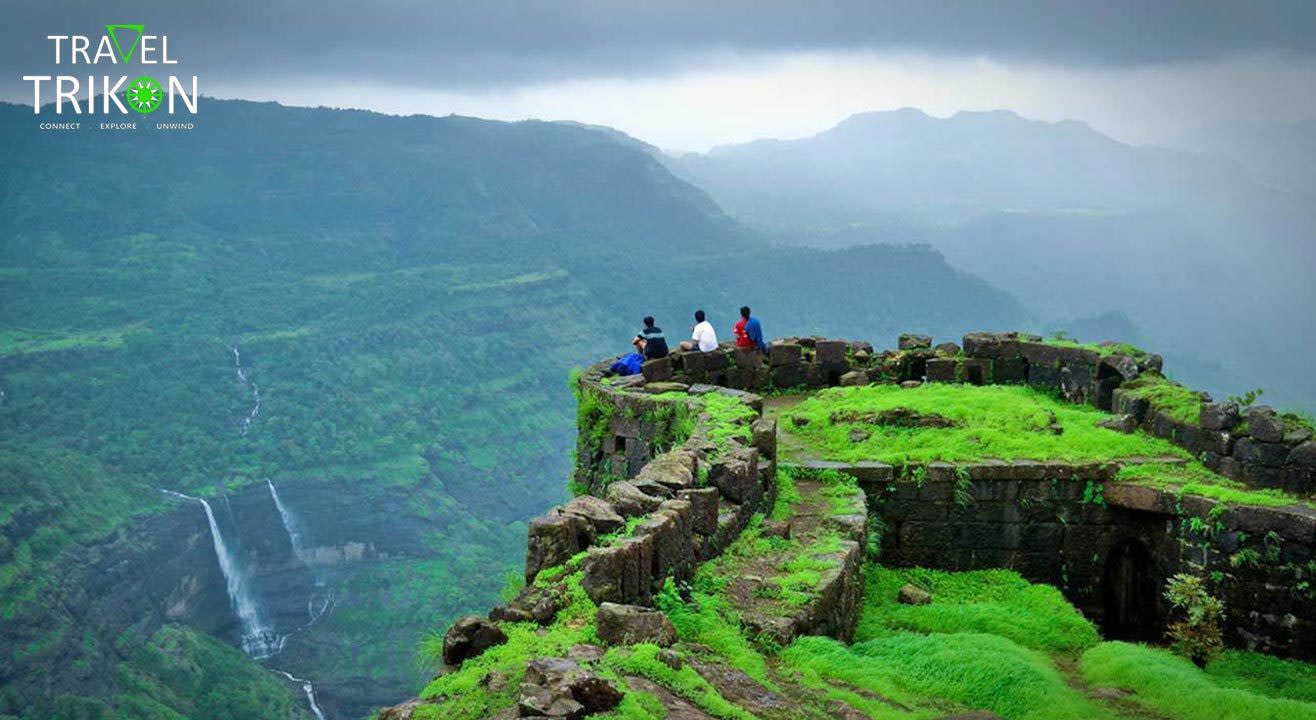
[113, 30]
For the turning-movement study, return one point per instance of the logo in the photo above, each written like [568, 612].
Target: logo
[127, 51]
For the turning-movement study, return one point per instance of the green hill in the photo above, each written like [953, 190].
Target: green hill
[406, 295]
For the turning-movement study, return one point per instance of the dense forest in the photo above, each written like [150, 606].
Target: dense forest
[377, 313]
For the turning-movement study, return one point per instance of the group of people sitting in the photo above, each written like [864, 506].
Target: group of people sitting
[651, 344]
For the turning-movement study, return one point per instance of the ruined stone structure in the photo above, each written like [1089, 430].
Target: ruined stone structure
[1111, 557]
[657, 495]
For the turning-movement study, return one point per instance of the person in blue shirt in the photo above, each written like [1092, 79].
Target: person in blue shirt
[749, 333]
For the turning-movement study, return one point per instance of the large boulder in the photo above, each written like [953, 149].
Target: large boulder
[1303, 455]
[631, 624]
[1264, 424]
[469, 637]
[561, 688]
[1218, 416]
[532, 604]
[854, 378]
[912, 595]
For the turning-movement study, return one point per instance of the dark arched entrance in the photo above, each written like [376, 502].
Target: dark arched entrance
[1129, 594]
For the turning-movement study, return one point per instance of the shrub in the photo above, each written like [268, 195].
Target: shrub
[1197, 636]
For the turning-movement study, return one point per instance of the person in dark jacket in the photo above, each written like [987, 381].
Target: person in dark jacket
[651, 341]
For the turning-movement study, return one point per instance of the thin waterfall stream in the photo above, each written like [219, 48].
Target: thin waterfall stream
[307, 688]
[255, 392]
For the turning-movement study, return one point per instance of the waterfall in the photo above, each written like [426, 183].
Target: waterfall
[290, 524]
[255, 392]
[259, 640]
[309, 690]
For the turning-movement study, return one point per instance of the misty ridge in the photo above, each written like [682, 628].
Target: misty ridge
[1202, 257]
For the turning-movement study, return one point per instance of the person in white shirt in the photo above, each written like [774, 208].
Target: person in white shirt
[702, 337]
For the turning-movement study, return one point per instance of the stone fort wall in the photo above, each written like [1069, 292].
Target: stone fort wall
[1110, 546]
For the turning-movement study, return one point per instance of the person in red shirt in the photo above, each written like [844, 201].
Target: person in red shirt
[749, 334]
[742, 338]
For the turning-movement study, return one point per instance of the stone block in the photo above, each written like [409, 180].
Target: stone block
[621, 572]
[1249, 450]
[552, 540]
[703, 509]
[629, 500]
[1135, 406]
[830, 352]
[1010, 371]
[599, 513]
[765, 437]
[657, 370]
[735, 474]
[783, 353]
[630, 625]
[674, 470]
[636, 448]
[871, 472]
[789, 376]
[1265, 476]
[942, 370]
[672, 551]
[910, 341]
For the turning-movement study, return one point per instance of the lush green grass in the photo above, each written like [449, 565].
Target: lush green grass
[1101, 349]
[974, 670]
[1195, 479]
[1244, 689]
[643, 660]
[1165, 395]
[728, 418]
[787, 494]
[1265, 674]
[994, 602]
[995, 421]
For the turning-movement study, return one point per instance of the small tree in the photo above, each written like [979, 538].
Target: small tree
[1197, 635]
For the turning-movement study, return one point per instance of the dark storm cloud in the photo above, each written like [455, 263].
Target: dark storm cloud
[499, 42]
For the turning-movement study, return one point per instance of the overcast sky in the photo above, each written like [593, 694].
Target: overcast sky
[689, 75]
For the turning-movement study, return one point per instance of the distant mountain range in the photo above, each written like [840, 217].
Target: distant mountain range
[1210, 261]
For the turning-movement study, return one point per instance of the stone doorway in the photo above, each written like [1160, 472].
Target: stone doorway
[1130, 594]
